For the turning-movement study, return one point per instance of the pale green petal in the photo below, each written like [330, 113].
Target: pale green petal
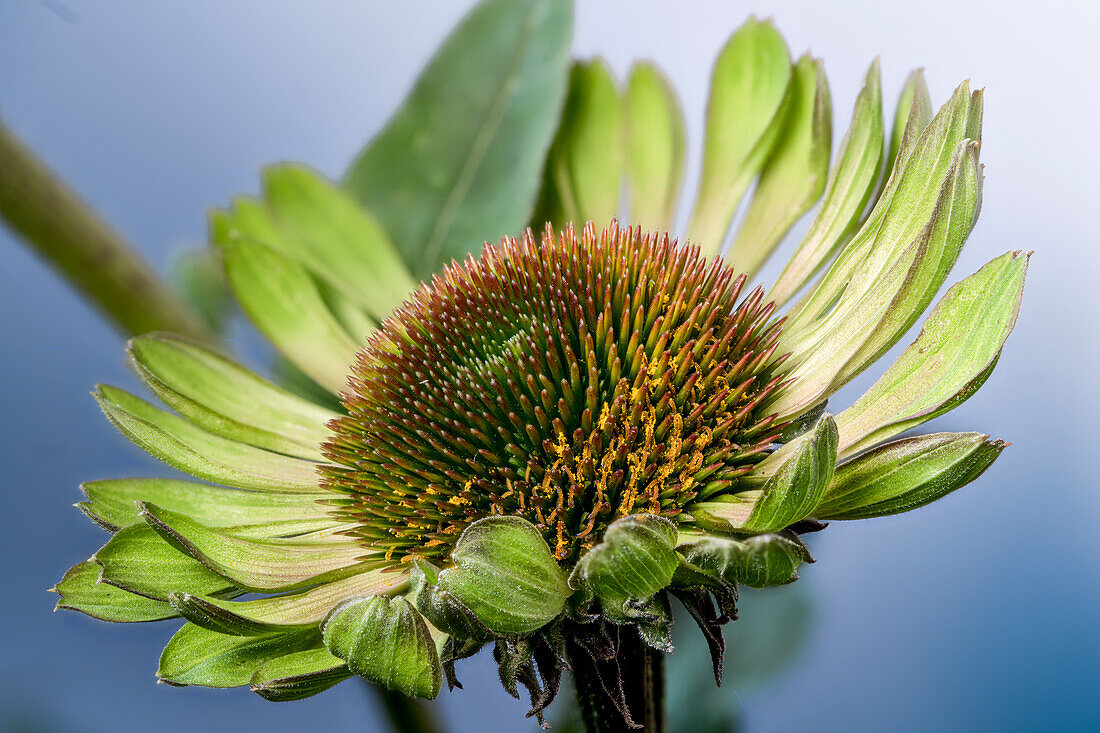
[584, 168]
[80, 590]
[227, 399]
[325, 229]
[851, 182]
[197, 656]
[186, 446]
[267, 615]
[907, 474]
[137, 559]
[748, 98]
[284, 303]
[259, 565]
[794, 175]
[954, 353]
[111, 502]
[911, 116]
[655, 147]
[298, 675]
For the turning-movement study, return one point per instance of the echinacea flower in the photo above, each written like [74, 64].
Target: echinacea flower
[544, 445]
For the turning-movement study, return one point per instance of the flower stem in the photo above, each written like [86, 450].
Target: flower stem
[68, 234]
[634, 676]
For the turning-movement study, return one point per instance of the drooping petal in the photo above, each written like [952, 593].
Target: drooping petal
[198, 656]
[111, 503]
[227, 399]
[284, 303]
[950, 359]
[138, 560]
[386, 641]
[80, 590]
[184, 445]
[794, 479]
[794, 175]
[654, 149]
[584, 168]
[326, 230]
[258, 565]
[748, 99]
[851, 182]
[278, 613]
[906, 474]
[298, 675]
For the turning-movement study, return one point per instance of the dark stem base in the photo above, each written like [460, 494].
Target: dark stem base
[619, 680]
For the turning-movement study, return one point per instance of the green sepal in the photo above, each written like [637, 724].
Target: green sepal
[635, 561]
[197, 656]
[505, 574]
[793, 479]
[907, 474]
[299, 675]
[441, 609]
[758, 561]
[387, 642]
[81, 590]
[138, 560]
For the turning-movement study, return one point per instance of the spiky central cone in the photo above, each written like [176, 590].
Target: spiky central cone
[569, 381]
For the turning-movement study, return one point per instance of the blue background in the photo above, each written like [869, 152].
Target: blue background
[978, 613]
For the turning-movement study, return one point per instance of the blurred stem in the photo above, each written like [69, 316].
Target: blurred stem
[406, 714]
[635, 667]
[92, 256]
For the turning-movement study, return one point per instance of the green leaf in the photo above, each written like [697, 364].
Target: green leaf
[851, 182]
[80, 590]
[386, 641]
[258, 565]
[758, 562]
[277, 613]
[505, 574]
[227, 399]
[794, 479]
[633, 563]
[136, 559]
[196, 656]
[794, 175]
[299, 675]
[654, 147]
[460, 162]
[186, 446]
[907, 474]
[950, 359]
[336, 239]
[584, 167]
[112, 503]
[284, 303]
[748, 98]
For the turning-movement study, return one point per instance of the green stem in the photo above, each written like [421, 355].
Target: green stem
[638, 668]
[68, 234]
[406, 715]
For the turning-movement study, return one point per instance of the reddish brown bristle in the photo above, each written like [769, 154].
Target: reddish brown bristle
[570, 381]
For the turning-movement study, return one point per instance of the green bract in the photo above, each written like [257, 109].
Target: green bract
[545, 445]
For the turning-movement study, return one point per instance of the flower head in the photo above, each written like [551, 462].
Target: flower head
[547, 442]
